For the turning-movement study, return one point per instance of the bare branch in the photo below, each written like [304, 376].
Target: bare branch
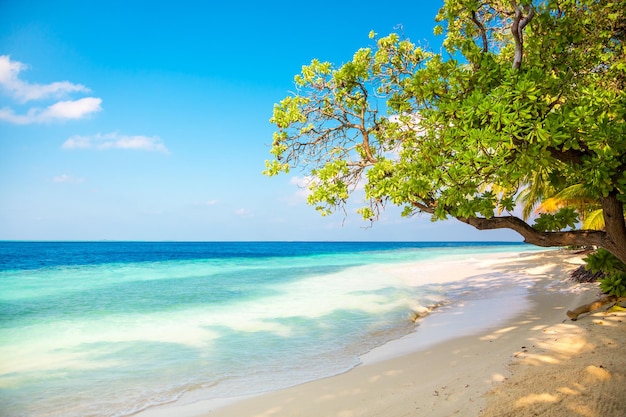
[530, 235]
[483, 31]
[517, 29]
[613, 238]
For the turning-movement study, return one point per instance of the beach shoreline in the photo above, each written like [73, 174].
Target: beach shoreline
[431, 372]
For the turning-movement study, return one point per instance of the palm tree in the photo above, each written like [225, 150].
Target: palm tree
[575, 196]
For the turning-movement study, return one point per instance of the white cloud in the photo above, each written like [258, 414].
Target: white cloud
[244, 212]
[63, 110]
[302, 193]
[408, 122]
[116, 141]
[206, 203]
[76, 109]
[64, 178]
[24, 91]
[302, 182]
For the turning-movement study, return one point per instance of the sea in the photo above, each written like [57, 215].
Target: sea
[114, 328]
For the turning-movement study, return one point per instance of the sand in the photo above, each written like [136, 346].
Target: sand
[512, 353]
[567, 369]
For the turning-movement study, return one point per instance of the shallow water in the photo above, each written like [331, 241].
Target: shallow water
[111, 328]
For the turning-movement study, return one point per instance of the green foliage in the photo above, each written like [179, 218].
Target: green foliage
[603, 261]
[472, 131]
[614, 282]
[552, 222]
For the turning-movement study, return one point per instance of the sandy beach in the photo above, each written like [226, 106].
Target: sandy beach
[513, 353]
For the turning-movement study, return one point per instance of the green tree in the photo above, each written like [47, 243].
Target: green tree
[527, 98]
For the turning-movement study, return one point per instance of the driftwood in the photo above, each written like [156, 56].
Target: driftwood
[595, 305]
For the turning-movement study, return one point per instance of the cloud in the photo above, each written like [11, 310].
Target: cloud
[408, 122]
[114, 140]
[303, 192]
[64, 178]
[73, 109]
[244, 212]
[23, 92]
[206, 203]
[302, 182]
[63, 110]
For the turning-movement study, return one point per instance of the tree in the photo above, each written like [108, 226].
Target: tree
[589, 213]
[526, 96]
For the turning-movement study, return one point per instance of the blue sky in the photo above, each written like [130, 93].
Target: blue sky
[150, 120]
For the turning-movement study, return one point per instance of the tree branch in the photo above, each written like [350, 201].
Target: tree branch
[483, 31]
[517, 29]
[423, 207]
[613, 238]
[530, 235]
[365, 132]
[570, 155]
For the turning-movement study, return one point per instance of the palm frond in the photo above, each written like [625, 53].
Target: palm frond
[574, 195]
[594, 220]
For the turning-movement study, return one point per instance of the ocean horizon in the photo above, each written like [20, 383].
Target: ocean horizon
[111, 328]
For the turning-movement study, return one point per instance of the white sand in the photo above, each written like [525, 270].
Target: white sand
[510, 352]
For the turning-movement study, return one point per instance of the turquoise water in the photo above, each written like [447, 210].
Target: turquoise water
[112, 328]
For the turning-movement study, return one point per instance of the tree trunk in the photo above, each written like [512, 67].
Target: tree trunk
[615, 226]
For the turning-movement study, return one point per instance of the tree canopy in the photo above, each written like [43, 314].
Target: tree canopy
[525, 99]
